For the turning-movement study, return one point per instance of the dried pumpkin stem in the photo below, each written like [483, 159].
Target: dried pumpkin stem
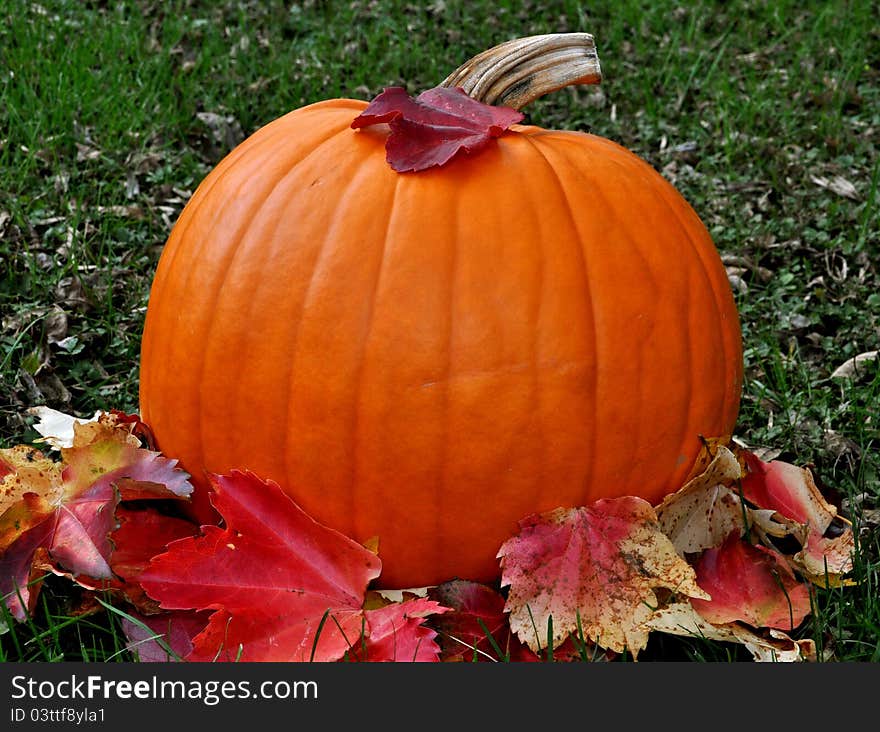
[517, 72]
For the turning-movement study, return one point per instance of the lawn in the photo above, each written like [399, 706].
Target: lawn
[765, 115]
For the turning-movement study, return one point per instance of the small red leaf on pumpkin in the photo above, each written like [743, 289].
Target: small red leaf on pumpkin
[431, 129]
[396, 632]
[753, 584]
[596, 567]
[282, 586]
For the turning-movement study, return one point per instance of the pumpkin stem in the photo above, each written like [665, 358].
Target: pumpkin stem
[517, 72]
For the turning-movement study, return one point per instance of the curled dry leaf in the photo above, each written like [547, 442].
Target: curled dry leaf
[800, 510]
[594, 570]
[705, 511]
[824, 560]
[56, 427]
[838, 184]
[774, 646]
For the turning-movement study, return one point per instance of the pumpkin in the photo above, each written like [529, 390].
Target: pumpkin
[427, 358]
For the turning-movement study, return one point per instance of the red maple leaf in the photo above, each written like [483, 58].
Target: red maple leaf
[163, 637]
[281, 586]
[397, 632]
[476, 627]
[68, 508]
[142, 533]
[431, 129]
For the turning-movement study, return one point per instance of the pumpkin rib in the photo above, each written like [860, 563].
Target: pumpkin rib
[540, 276]
[589, 297]
[194, 413]
[512, 352]
[724, 303]
[272, 244]
[715, 287]
[276, 240]
[637, 430]
[691, 244]
[181, 229]
[233, 252]
[444, 489]
[360, 530]
[684, 434]
[685, 379]
[353, 489]
[578, 167]
[445, 377]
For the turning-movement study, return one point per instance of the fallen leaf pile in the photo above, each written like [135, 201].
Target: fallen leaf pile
[732, 556]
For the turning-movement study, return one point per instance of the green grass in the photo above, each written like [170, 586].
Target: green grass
[741, 104]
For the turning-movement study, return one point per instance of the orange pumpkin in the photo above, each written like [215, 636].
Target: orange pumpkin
[427, 358]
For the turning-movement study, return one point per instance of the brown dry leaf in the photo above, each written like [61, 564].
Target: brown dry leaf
[86, 152]
[706, 509]
[766, 522]
[778, 648]
[55, 325]
[838, 184]
[855, 366]
[759, 451]
[131, 211]
[225, 129]
[706, 456]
